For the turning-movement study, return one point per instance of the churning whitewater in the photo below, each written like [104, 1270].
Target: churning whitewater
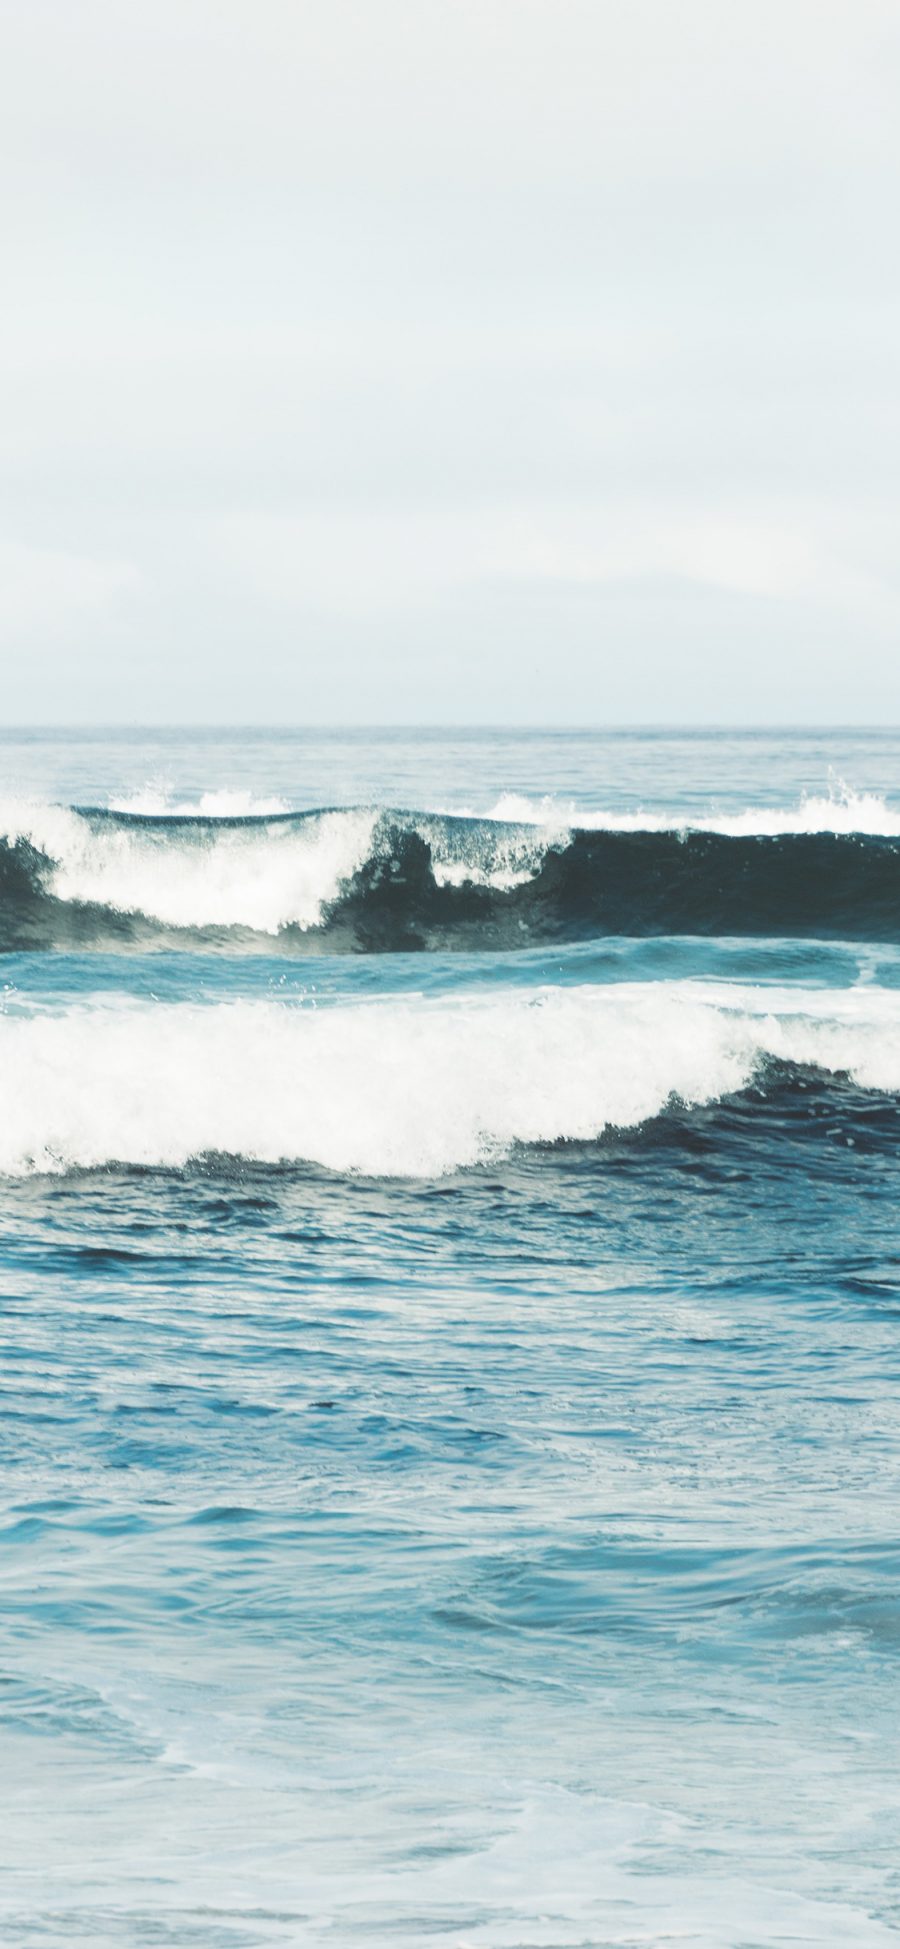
[411, 1088]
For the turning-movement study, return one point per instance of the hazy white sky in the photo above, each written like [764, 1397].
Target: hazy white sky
[461, 360]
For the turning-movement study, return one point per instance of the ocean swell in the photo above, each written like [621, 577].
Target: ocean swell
[360, 880]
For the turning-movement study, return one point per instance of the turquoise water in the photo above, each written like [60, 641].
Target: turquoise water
[450, 1439]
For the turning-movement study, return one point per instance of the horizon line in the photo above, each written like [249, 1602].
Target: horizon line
[630, 727]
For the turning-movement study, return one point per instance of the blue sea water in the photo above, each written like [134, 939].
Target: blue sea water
[450, 1273]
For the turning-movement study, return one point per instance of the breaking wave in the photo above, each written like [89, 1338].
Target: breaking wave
[361, 879]
[839, 811]
[411, 1088]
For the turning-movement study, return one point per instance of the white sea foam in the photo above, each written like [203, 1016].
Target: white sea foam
[157, 800]
[405, 1087]
[840, 811]
[579, 1862]
[262, 877]
[484, 855]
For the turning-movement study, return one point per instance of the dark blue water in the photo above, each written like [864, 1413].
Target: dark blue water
[450, 1447]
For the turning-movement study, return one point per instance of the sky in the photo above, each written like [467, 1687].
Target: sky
[450, 361]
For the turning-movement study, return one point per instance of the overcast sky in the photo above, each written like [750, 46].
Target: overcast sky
[450, 360]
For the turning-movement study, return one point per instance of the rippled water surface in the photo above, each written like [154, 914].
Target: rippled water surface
[450, 1434]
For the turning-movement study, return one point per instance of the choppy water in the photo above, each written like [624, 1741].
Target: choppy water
[450, 1282]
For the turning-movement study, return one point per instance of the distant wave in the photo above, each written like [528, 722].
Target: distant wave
[409, 1088]
[360, 879]
[839, 811]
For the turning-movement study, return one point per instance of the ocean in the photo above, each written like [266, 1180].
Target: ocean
[450, 1273]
